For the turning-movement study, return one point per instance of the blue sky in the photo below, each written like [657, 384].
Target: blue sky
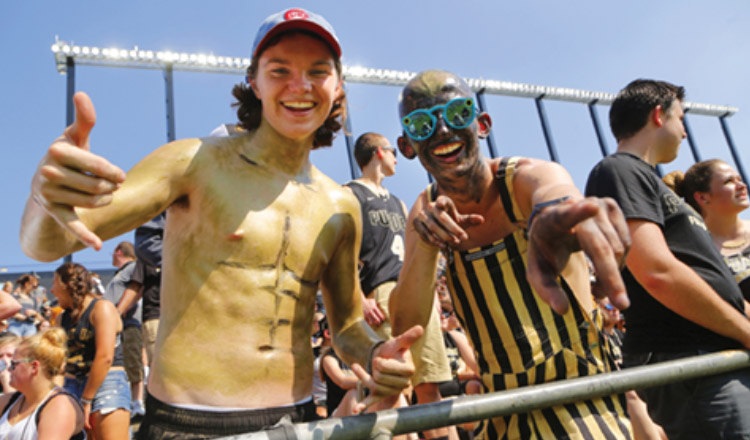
[594, 45]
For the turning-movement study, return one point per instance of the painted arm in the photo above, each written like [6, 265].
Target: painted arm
[353, 339]
[413, 297]
[594, 225]
[678, 287]
[107, 324]
[79, 198]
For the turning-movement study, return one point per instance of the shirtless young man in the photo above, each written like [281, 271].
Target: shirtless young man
[252, 230]
[478, 212]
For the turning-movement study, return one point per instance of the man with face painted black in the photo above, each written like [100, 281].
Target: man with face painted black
[512, 230]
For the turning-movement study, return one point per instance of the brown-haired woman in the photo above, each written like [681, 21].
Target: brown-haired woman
[40, 409]
[95, 370]
[717, 192]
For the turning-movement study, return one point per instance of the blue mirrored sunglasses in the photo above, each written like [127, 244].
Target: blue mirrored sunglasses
[457, 113]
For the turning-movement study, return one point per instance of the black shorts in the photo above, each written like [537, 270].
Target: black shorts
[164, 421]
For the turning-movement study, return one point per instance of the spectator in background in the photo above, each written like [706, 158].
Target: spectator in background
[40, 409]
[685, 301]
[8, 344]
[146, 280]
[22, 322]
[123, 258]
[717, 192]
[94, 370]
[381, 257]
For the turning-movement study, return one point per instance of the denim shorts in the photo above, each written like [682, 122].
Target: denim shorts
[113, 393]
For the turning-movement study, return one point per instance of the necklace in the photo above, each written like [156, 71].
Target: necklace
[738, 243]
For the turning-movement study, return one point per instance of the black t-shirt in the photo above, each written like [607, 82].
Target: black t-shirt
[641, 194]
[149, 277]
[383, 224]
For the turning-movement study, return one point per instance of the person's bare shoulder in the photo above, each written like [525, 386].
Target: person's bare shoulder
[340, 199]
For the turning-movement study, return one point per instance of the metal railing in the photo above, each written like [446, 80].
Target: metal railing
[385, 424]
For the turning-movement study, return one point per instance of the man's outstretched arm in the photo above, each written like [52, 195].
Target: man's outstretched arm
[79, 199]
[562, 222]
[356, 343]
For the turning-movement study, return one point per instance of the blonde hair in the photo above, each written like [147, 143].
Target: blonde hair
[9, 339]
[49, 348]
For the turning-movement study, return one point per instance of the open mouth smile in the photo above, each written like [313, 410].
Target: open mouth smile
[298, 105]
[448, 151]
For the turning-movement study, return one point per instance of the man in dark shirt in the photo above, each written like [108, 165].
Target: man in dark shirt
[684, 301]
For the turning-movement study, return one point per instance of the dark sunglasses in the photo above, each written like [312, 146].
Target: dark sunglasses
[391, 149]
[457, 113]
[15, 362]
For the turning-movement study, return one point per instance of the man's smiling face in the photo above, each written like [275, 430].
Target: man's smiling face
[448, 153]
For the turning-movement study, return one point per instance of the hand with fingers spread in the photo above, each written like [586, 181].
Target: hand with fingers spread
[593, 225]
[391, 367]
[440, 224]
[71, 176]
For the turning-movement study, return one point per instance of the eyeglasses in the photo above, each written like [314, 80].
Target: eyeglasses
[14, 362]
[458, 113]
[447, 313]
[391, 149]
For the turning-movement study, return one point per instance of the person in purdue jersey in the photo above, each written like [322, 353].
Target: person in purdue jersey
[511, 229]
[380, 259]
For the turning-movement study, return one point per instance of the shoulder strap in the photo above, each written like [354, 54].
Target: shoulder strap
[13, 398]
[60, 392]
[504, 175]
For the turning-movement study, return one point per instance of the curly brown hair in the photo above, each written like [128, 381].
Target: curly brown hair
[250, 108]
[77, 281]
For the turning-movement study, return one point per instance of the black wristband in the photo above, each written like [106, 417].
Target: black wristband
[369, 356]
[540, 206]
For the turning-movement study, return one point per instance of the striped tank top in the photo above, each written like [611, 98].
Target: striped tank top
[519, 340]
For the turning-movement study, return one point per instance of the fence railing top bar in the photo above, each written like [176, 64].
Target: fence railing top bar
[210, 63]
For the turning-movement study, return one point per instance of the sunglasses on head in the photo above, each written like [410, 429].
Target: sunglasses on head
[457, 113]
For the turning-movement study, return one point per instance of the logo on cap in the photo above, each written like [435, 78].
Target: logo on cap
[296, 14]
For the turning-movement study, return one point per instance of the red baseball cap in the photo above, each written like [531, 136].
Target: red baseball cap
[295, 19]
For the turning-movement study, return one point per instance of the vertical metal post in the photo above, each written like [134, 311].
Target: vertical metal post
[483, 108]
[598, 129]
[691, 140]
[169, 89]
[70, 111]
[353, 167]
[545, 128]
[732, 149]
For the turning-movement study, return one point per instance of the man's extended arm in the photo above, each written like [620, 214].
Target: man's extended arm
[78, 198]
[561, 228]
[353, 339]
[678, 287]
[411, 301]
